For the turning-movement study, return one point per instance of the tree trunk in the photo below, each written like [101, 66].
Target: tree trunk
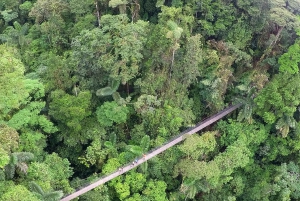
[273, 43]
[98, 13]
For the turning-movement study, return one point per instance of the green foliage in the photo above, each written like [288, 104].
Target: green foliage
[289, 61]
[155, 190]
[9, 15]
[26, 6]
[113, 51]
[54, 71]
[9, 139]
[187, 60]
[111, 112]
[4, 158]
[111, 166]
[15, 35]
[280, 97]
[110, 90]
[123, 190]
[18, 161]
[70, 110]
[284, 124]
[248, 105]
[197, 146]
[51, 196]
[44, 10]
[52, 173]
[12, 81]
[136, 181]
[18, 193]
[288, 181]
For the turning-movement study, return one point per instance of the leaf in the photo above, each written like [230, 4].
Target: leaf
[115, 3]
[242, 87]
[53, 196]
[116, 96]
[115, 84]
[34, 187]
[23, 156]
[137, 150]
[106, 91]
[145, 142]
[108, 144]
[23, 167]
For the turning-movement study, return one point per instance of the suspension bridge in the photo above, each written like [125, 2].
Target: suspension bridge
[154, 152]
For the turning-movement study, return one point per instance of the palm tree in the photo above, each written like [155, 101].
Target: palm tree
[15, 35]
[109, 90]
[247, 105]
[111, 145]
[17, 162]
[190, 187]
[50, 196]
[138, 151]
[284, 124]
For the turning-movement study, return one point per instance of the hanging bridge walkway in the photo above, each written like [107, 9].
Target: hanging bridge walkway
[154, 152]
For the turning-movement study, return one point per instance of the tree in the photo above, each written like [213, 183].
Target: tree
[50, 196]
[114, 51]
[282, 15]
[51, 174]
[9, 138]
[111, 112]
[70, 110]
[155, 190]
[44, 10]
[248, 105]
[197, 147]
[12, 82]
[54, 72]
[18, 161]
[287, 179]
[280, 97]
[15, 35]
[284, 124]
[18, 193]
[289, 61]
[139, 151]
[174, 34]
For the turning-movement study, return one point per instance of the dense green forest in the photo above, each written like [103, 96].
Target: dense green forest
[88, 85]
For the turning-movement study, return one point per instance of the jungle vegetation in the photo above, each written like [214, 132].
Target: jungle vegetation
[87, 86]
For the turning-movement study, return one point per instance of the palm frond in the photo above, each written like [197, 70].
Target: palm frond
[23, 156]
[10, 170]
[34, 187]
[106, 91]
[145, 142]
[23, 167]
[53, 196]
[115, 84]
